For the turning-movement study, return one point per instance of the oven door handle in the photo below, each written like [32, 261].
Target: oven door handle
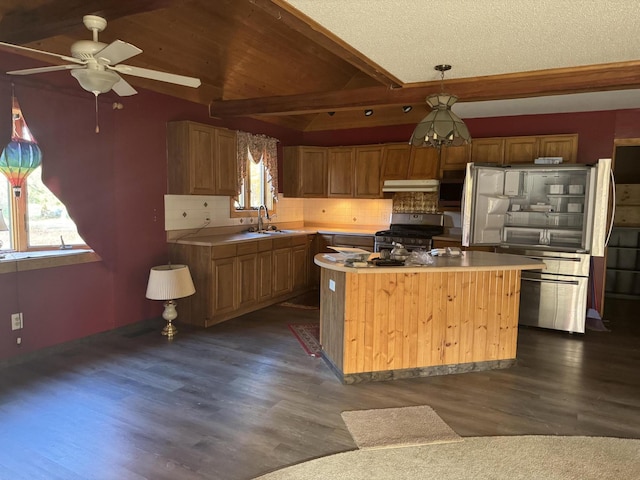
[543, 280]
[560, 259]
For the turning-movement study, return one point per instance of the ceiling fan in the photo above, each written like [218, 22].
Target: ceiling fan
[96, 65]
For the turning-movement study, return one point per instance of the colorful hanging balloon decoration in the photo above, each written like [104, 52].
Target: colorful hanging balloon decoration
[22, 155]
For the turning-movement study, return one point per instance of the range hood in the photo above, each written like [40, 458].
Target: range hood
[411, 186]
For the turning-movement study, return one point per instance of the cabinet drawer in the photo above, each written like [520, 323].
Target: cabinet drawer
[247, 247]
[265, 245]
[223, 251]
[281, 242]
[298, 240]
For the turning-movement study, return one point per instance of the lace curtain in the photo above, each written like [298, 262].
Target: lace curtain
[262, 148]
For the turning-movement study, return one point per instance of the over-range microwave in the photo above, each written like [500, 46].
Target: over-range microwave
[450, 193]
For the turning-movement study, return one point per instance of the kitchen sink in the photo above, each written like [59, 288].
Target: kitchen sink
[274, 232]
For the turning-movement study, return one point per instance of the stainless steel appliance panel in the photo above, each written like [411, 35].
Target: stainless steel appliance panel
[553, 301]
[561, 263]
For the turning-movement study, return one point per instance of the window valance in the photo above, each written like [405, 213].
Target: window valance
[262, 148]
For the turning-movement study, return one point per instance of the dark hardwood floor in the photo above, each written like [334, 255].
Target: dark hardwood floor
[242, 398]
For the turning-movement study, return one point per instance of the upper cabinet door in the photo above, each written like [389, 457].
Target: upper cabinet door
[395, 164]
[313, 171]
[423, 163]
[565, 146]
[202, 160]
[368, 165]
[520, 149]
[487, 150]
[341, 164]
[225, 163]
[455, 158]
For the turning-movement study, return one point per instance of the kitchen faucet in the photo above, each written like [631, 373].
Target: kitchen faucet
[260, 220]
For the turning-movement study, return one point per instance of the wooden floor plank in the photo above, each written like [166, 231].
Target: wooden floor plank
[242, 398]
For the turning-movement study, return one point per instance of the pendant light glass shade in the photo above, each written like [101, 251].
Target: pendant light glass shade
[441, 127]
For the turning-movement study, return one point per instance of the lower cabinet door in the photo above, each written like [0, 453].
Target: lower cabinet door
[299, 259]
[265, 275]
[281, 271]
[224, 285]
[247, 280]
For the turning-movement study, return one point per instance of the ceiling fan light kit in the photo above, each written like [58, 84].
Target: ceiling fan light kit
[441, 127]
[96, 65]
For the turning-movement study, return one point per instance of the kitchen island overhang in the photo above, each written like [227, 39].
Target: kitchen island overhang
[458, 315]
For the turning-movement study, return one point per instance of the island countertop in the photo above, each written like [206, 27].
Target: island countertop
[467, 261]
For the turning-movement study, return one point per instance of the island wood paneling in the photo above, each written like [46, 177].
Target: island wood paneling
[395, 321]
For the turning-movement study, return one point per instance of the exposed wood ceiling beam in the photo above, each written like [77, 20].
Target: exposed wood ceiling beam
[593, 78]
[61, 16]
[315, 32]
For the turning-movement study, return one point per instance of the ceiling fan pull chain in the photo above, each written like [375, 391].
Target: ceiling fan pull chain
[97, 125]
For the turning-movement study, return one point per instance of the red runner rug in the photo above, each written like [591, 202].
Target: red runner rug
[308, 334]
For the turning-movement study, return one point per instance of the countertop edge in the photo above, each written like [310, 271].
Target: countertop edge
[486, 261]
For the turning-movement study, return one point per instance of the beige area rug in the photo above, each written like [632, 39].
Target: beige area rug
[481, 458]
[398, 427]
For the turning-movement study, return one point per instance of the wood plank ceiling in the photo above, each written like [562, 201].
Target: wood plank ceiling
[263, 58]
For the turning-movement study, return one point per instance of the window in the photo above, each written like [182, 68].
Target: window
[255, 187]
[257, 174]
[40, 221]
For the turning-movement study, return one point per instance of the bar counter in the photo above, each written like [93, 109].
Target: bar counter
[458, 315]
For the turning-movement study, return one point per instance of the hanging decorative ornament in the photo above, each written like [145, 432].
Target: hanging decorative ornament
[22, 155]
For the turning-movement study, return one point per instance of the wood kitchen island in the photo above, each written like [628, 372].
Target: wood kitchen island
[458, 315]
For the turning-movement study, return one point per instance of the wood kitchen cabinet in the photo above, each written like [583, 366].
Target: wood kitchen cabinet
[237, 278]
[354, 172]
[305, 172]
[402, 162]
[341, 170]
[202, 159]
[487, 150]
[367, 168]
[519, 150]
[454, 158]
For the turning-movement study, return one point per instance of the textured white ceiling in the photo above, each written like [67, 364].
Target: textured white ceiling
[408, 38]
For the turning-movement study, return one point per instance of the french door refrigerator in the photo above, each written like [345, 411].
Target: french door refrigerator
[553, 213]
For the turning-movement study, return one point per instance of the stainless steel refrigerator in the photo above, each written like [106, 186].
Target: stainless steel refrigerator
[554, 213]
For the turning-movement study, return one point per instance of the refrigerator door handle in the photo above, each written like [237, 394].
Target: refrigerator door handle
[560, 259]
[542, 280]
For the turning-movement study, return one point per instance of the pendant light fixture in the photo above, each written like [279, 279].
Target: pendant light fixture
[441, 127]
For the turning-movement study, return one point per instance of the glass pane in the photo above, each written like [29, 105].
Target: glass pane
[255, 182]
[5, 206]
[47, 218]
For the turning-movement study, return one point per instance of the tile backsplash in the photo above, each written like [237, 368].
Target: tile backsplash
[192, 211]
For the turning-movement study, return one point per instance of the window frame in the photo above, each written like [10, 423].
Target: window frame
[18, 227]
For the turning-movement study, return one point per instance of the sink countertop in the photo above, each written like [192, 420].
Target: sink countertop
[222, 239]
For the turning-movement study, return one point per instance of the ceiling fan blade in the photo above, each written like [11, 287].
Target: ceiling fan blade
[33, 50]
[157, 75]
[117, 52]
[123, 88]
[54, 68]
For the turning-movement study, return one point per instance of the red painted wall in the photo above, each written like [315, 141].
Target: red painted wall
[113, 184]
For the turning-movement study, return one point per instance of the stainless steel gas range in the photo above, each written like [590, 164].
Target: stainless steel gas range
[412, 230]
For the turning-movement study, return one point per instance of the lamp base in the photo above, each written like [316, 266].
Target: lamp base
[170, 313]
[169, 330]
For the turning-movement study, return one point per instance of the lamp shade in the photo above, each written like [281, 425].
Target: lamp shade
[168, 282]
[441, 127]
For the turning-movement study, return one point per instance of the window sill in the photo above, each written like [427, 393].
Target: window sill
[23, 261]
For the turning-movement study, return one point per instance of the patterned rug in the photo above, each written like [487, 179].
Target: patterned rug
[308, 334]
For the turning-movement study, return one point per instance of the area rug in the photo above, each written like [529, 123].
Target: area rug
[481, 458]
[397, 427]
[308, 334]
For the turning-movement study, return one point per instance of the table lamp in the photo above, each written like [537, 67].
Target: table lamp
[168, 282]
